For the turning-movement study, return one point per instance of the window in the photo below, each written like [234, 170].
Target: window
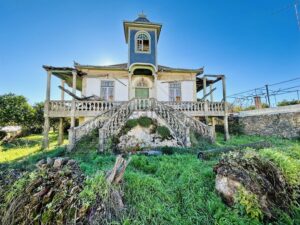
[175, 91]
[107, 90]
[142, 43]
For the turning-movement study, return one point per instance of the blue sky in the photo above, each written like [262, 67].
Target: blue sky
[245, 40]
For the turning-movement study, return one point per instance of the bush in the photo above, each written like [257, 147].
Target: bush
[167, 150]
[164, 132]
[145, 121]
[285, 103]
[2, 134]
[131, 123]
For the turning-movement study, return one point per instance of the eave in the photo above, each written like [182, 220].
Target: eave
[127, 24]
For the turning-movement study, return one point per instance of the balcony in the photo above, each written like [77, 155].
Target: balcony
[58, 108]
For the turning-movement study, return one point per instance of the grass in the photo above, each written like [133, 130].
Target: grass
[168, 189]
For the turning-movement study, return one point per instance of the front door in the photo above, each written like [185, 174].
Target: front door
[142, 92]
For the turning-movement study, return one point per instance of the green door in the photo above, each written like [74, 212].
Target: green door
[142, 92]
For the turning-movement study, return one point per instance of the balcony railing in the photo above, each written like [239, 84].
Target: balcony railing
[59, 108]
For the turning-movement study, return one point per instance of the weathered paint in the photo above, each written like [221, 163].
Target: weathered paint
[93, 85]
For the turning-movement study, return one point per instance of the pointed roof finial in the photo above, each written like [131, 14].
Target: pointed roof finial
[142, 14]
[142, 18]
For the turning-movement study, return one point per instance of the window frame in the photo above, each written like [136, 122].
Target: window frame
[136, 49]
[173, 98]
[107, 90]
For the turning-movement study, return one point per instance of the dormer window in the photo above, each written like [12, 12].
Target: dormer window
[142, 42]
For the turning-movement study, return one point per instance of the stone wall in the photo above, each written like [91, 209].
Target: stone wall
[283, 124]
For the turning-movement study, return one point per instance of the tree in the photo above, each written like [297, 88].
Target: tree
[15, 110]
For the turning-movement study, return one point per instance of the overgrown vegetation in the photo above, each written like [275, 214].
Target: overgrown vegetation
[286, 102]
[173, 188]
[164, 132]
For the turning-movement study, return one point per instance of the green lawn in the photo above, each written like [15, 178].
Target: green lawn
[168, 189]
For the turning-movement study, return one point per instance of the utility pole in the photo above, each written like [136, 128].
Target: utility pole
[268, 95]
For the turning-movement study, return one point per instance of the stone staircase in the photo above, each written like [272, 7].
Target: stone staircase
[111, 121]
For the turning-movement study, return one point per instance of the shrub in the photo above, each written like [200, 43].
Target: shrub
[2, 134]
[249, 203]
[131, 123]
[145, 121]
[164, 132]
[167, 150]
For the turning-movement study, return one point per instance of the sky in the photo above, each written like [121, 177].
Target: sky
[252, 42]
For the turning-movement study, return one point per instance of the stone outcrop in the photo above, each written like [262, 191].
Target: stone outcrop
[142, 137]
[258, 176]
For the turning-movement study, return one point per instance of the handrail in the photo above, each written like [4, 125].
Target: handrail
[197, 125]
[76, 133]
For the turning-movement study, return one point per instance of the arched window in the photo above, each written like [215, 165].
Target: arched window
[142, 42]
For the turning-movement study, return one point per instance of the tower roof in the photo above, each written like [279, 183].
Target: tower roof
[142, 18]
[141, 22]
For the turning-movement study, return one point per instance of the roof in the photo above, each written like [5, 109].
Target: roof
[172, 69]
[65, 73]
[141, 22]
[142, 19]
[123, 66]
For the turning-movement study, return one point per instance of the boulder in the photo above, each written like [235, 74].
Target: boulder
[246, 170]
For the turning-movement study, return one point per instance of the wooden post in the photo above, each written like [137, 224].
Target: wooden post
[204, 98]
[213, 122]
[226, 131]
[45, 143]
[74, 73]
[204, 88]
[71, 130]
[61, 120]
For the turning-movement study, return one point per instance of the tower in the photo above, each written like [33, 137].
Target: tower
[142, 36]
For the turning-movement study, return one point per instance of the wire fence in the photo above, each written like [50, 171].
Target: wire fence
[269, 95]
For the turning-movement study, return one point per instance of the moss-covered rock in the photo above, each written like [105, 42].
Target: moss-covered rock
[255, 183]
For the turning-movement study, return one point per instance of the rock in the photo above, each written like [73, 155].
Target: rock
[50, 161]
[141, 137]
[58, 162]
[258, 177]
[227, 188]
[71, 162]
[40, 163]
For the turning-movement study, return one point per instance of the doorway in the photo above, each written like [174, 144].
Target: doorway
[142, 92]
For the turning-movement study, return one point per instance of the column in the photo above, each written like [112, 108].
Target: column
[74, 73]
[129, 86]
[213, 122]
[226, 131]
[72, 135]
[45, 143]
[204, 99]
[61, 120]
